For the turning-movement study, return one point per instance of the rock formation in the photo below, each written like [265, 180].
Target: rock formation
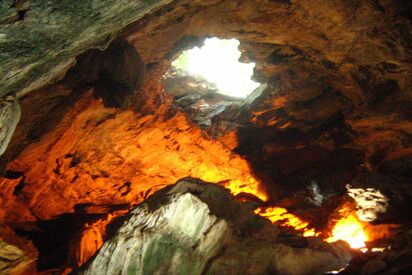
[9, 117]
[97, 133]
[194, 227]
[17, 256]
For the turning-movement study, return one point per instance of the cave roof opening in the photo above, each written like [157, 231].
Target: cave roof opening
[217, 62]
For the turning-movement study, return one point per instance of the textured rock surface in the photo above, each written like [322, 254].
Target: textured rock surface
[198, 228]
[42, 45]
[16, 254]
[336, 103]
[199, 99]
[9, 117]
[330, 107]
[101, 155]
[12, 259]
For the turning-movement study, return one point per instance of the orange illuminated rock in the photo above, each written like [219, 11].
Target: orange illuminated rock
[347, 227]
[280, 216]
[356, 233]
[91, 238]
[350, 230]
[101, 155]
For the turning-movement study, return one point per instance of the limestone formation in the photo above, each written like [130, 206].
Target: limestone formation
[194, 227]
[97, 129]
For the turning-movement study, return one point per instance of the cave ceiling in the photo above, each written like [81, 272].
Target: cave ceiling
[96, 127]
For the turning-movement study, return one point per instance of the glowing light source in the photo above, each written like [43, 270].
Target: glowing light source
[217, 62]
[350, 230]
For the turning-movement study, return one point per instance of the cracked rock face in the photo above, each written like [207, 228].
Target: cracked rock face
[194, 227]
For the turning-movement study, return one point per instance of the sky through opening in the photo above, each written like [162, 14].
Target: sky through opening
[218, 62]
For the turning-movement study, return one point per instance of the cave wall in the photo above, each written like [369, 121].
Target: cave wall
[338, 76]
[321, 59]
[337, 101]
[101, 155]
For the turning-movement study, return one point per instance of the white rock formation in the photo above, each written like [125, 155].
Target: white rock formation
[194, 227]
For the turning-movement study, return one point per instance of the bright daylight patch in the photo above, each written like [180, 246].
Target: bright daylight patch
[217, 62]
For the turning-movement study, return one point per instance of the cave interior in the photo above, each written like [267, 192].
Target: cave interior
[122, 153]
